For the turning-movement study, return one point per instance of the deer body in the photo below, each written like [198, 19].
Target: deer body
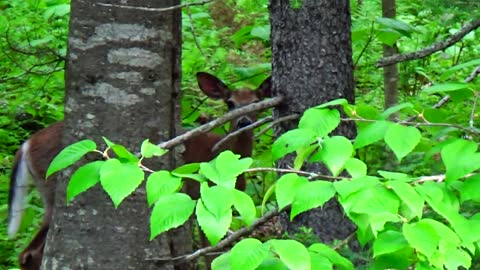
[31, 163]
[36, 154]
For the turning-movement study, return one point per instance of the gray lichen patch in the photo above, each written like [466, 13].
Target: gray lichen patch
[111, 94]
[132, 32]
[135, 57]
[148, 91]
[129, 77]
[116, 32]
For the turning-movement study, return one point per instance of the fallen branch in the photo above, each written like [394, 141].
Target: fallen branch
[467, 28]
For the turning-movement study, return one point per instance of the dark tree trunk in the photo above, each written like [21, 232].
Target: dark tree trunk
[122, 82]
[312, 64]
[390, 73]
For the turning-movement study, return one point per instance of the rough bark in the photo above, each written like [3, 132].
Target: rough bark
[312, 64]
[390, 72]
[122, 82]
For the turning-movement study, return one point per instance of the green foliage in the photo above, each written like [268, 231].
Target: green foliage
[418, 210]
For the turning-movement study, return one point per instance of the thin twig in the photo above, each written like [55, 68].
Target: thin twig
[224, 243]
[220, 121]
[238, 131]
[199, 3]
[369, 40]
[427, 124]
[446, 98]
[467, 28]
[472, 112]
[276, 122]
[310, 175]
[438, 178]
[192, 28]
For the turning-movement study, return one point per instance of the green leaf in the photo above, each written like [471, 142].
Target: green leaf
[222, 262]
[445, 87]
[437, 242]
[149, 150]
[409, 196]
[161, 183]
[311, 195]
[334, 152]
[291, 141]
[356, 168]
[388, 36]
[292, 253]
[389, 242]
[248, 254]
[395, 109]
[215, 229]
[262, 32]
[287, 187]
[187, 168]
[108, 142]
[460, 158]
[123, 154]
[320, 121]
[120, 179]
[470, 188]
[370, 134]
[340, 101]
[225, 169]
[216, 199]
[84, 178]
[394, 175]
[402, 140]
[340, 262]
[345, 188]
[320, 262]
[245, 206]
[170, 211]
[397, 25]
[70, 155]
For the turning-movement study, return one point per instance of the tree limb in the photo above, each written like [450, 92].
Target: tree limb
[467, 28]
[236, 132]
[199, 3]
[220, 121]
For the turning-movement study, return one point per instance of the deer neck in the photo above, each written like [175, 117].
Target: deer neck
[242, 144]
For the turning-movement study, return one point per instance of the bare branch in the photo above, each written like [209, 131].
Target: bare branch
[236, 132]
[225, 242]
[233, 237]
[199, 3]
[192, 28]
[467, 28]
[278, 121]
[310, 175]
[428, 124]
[220, 121]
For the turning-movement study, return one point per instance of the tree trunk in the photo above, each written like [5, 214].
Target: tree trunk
[390, 73]
[312, 64]
[122, 82]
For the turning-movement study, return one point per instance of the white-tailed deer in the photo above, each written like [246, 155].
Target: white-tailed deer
[199, 148]
[35, 155]
[31, 163]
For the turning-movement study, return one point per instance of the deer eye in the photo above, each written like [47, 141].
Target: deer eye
[230, 105]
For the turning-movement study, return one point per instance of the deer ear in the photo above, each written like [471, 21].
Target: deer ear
[265, 89]
[212, 86]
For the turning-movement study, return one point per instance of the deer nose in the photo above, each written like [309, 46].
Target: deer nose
[243, 122]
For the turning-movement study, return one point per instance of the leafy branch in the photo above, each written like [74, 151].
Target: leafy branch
[467, 28]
